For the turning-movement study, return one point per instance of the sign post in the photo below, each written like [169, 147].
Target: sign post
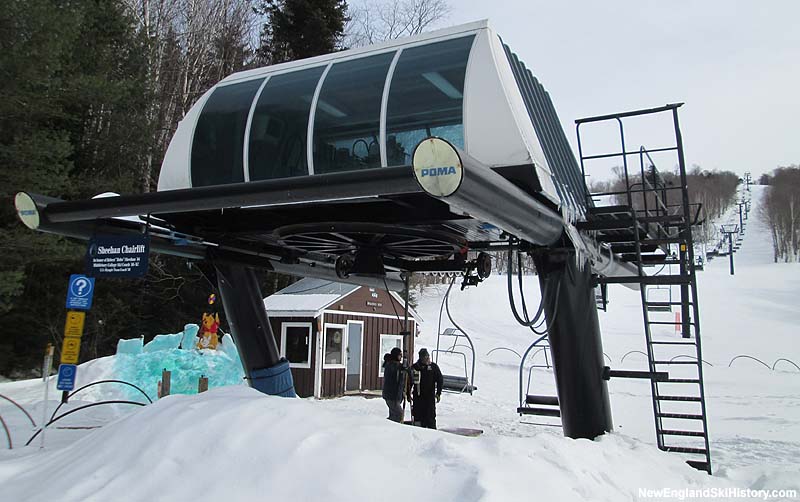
[48, 363]
[80, 291]
[70, 352]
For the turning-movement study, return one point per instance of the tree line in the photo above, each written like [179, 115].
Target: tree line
[92, 93]
[710, 192]
[780, 210]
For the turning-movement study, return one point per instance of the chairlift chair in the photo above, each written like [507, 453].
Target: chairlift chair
[457, 383]
[530, 404]
[657, 300]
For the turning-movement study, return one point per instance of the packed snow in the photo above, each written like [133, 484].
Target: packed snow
[233, 443]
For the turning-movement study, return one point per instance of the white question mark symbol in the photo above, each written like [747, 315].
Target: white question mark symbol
[81, 284]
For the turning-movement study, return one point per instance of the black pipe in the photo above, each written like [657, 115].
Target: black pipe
[354, 184]
[70, 412]
[251, 330]
[85, 230]
[483, 194]
[575, 345]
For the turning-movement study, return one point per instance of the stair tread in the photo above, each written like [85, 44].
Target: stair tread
[676, 362]
[610, 209]
[673, 432]
[681, 416]
[681, 380]
[690, 399]
[685, 449]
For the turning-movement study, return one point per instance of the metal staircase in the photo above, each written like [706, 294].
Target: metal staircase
[650, 225]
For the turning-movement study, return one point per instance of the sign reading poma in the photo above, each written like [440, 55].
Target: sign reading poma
[437, 167]
[118, 256]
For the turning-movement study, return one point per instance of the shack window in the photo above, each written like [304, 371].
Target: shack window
[296, 344]
[347, 117]
[280, 126]
[334, 345]
[426, 97]
[217, 148]
[387, 343]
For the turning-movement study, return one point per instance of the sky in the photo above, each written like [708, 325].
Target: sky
[736, 65]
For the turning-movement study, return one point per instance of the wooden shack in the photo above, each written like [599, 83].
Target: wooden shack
[335, 335]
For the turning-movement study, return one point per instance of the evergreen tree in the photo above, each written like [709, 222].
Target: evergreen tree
[71, 125]
[298, 29]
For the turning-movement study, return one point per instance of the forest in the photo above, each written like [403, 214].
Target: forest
[92, 93]
[780, 210]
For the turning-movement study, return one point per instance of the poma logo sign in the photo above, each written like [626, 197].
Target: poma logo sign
[437, 167]
[439, 171]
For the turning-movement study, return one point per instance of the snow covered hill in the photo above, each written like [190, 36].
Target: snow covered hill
[233, 443]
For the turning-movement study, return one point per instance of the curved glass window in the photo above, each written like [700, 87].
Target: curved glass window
[425, 97]
[280, 125]
[217, 148]
[347, 118]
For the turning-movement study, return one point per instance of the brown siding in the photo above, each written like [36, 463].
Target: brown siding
[373, 328]
[333, 382]
[357, 302]
[303, 378]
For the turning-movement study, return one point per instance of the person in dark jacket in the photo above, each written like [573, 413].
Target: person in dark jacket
[428, 384]
[393, 380]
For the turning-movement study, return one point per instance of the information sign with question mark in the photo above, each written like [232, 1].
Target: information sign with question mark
[80, 292]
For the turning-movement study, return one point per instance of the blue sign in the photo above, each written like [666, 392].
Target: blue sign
[80, 292]
[66, 377]
[118, 256]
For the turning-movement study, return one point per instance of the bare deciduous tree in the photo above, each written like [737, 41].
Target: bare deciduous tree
[192, 44]
[780, 210]
[377, 21]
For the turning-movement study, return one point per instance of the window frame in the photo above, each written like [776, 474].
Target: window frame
[380, 348]
[390, 81]
[202, 108]
[325, 364]
[397, 49]
[323, 81]
[310, 327]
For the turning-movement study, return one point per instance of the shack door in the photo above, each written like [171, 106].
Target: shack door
[355, 331]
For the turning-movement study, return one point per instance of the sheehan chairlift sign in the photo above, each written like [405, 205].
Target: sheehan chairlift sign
[117, 256]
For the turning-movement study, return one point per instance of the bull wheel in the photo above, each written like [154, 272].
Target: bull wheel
[337, 239]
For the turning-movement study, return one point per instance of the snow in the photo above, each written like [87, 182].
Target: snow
[233, 443]
[298, 303]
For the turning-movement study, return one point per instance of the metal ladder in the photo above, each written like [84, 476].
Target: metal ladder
[647, 230]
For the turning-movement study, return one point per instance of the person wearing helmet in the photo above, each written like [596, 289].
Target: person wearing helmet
[428, 384]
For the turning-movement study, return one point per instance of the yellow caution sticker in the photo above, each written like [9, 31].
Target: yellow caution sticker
[74, 326]
[683, 247]
[70, 350]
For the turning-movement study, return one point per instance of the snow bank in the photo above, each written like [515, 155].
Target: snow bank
[246, 446]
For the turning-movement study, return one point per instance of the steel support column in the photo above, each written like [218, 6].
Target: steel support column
[576, 346]
[251, 331]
